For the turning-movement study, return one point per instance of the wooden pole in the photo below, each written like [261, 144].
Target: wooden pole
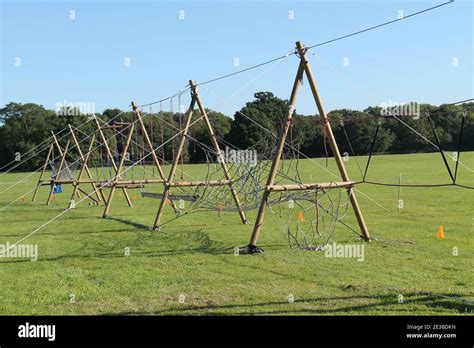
[53, 179]
[332, 140]
[111, 158]
[276, 160]
[55, 140]
[172, 172]
[40, 180]
[221, 159]
[84, 166]
[151, 148]
[117, 173]
[148, 141]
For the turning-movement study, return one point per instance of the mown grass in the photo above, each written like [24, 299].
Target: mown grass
[83, 255]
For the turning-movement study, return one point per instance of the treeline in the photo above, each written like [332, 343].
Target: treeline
[25, 126]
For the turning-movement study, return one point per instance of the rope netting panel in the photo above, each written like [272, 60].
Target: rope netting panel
[247, 180]
[310, 217]
[67, 172]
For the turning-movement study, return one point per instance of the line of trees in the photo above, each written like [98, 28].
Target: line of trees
[24, 126]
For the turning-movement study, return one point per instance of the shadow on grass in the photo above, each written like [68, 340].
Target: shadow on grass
[186, 242]
[381, 302]
[129, 223]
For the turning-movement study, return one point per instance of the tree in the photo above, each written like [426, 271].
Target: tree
[357, 131]
[24, 127]
[255, 124]
[220, 124]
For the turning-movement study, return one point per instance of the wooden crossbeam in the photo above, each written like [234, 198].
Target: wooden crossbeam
[200, 183]
[138, 182]
[130, 186]
[297, 187]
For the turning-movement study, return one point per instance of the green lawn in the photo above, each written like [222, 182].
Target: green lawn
[83, 255]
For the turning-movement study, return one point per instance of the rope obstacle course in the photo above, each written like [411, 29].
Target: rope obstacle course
[296, 191]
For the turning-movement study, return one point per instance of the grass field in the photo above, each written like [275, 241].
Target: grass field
[189, 267]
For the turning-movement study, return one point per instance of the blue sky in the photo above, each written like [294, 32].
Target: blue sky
[83, 59]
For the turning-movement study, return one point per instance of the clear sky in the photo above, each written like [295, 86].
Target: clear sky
[50, 54]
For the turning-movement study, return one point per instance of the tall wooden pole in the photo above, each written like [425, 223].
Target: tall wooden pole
[276, 160]
[40, 180]
[111, 158]
[84, 166]
[148, 141]
[151, 149]
[218, 151]
[61, 163]
[118, 173]
[332, 140]
[172, 172]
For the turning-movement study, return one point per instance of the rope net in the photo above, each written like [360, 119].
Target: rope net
[247, 179]
[67, 172]
[310, 217]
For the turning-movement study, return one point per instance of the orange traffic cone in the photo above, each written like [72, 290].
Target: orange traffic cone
[300, 216]
[440, 233]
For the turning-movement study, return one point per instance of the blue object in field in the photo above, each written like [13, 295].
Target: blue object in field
[57, 188]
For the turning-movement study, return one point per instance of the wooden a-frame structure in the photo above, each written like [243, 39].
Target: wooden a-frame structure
[117, 181]
[85, 169]
[56, 178]
[170, 182]
[304, 68]
[98, 184]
